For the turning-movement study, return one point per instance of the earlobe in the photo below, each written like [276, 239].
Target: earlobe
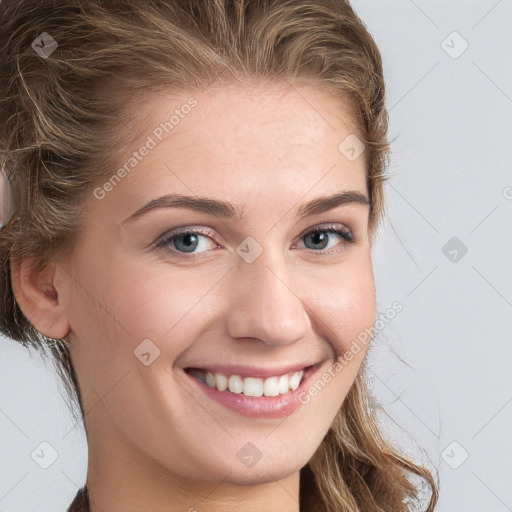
[38, 298]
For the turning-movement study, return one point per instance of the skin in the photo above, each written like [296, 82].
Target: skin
[156, 442]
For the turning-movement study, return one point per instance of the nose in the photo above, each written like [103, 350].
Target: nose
[263, 303]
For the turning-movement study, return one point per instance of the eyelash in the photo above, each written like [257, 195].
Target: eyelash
[163, 242]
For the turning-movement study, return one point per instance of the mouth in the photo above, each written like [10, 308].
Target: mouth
[250, 385]
[256, 392]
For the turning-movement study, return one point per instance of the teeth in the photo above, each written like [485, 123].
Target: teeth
[235, 384]
[221, 382]
[271, 386]
[251, 386]
[210, 380]
[283, 384]
[295, 381]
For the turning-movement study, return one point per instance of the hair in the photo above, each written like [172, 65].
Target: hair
[64, 125]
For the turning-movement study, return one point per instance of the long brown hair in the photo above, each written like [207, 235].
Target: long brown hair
[63, 118]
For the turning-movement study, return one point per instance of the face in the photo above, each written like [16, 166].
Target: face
[242, 288]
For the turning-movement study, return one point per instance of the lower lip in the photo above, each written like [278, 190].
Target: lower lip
[268, 407]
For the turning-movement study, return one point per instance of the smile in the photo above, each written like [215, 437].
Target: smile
[250, 386]
[262, 397]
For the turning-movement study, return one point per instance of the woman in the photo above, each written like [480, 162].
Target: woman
[197, 188]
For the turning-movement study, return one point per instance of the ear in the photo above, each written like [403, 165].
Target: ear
[37, 296]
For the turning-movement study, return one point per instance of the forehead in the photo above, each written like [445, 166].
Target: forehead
[249, 105]
[241, 141]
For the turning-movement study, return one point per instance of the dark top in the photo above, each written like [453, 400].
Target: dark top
[81, 501]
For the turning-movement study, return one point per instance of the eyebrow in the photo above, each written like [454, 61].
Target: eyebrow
[226, 210]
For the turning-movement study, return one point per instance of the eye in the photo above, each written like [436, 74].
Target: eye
[184, 239]
[319, 237]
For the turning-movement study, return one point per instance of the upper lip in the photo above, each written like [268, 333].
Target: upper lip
[253, 371]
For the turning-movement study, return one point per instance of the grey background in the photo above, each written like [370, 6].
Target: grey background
[441, 367]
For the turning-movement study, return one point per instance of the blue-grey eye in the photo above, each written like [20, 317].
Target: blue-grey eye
[190, 242]
[320, 237]
[185, 241]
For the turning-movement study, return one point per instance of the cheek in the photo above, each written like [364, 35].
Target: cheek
[347, 306]
[345, 301]
[360, 309]
[166, 305]
[122, 309]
